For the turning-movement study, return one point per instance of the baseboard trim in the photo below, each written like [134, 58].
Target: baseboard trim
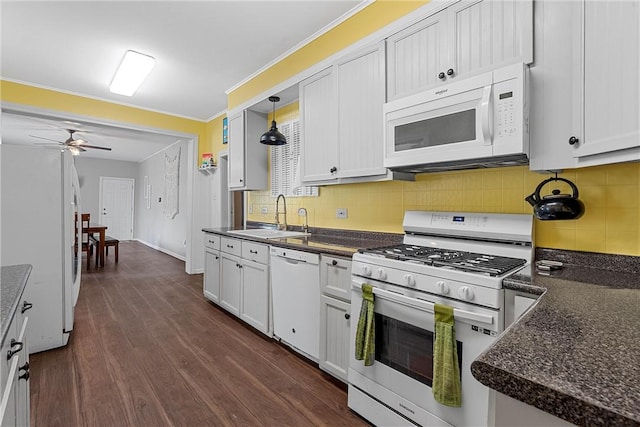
[166, 251]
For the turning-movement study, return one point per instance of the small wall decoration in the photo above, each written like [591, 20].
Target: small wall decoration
[171, 175]
[207, 160]
[225, 131]
[148, 196]
[146, 187]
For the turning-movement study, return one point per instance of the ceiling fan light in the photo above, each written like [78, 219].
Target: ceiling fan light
[75, 151]
[134, 68]
[273, 136]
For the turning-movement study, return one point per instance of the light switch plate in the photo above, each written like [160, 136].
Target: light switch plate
[264, 210]
[341, 213]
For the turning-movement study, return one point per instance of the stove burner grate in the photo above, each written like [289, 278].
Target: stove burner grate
[491, 265]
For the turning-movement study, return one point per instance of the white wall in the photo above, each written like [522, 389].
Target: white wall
[151, 226]
[89, 173]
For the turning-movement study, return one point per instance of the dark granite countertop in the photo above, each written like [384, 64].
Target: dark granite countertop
[576, 353]
[12, 283]
[321, 240]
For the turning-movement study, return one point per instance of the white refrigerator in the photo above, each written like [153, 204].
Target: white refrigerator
[40, 196]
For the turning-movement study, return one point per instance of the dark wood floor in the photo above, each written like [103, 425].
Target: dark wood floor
[149, 350]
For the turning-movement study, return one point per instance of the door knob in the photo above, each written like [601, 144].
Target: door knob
[573, 140]
[441, 75]
[450, 72]
[334, 262]
[347, 316]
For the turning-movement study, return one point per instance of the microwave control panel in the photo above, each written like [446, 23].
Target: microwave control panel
[505, 123]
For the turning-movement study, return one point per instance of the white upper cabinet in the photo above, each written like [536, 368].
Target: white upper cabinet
[468, 37]
[247, 156]
[585, 84]
[611, 75]
[341, 120]
[360, 89]
[319, 148]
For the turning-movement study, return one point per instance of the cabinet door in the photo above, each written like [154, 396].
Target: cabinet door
[416, 56]
[487, 33]
[334, 336]
[360, 91]
[236, 150]
[23, 397]
[335, 276]
[319, 148]
[230, 283]
[255, 295]
[611, 78]
[212, 275]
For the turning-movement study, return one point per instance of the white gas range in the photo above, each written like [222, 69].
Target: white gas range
[456, 259]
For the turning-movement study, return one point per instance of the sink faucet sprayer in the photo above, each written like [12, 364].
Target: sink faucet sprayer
[303, 212]
[278, 225]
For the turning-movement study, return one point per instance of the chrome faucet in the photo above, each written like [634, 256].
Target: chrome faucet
[278, 225]
[305, 227]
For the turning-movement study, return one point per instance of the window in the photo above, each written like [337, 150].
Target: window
[285, 164]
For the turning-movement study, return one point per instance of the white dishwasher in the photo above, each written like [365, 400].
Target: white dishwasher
[295, 287]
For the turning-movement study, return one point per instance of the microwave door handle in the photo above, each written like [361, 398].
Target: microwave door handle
[484, 113]
[426, 306]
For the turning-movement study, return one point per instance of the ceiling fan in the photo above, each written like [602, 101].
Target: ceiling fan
[76, 146]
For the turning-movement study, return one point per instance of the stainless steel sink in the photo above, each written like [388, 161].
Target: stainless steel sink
[268, 233]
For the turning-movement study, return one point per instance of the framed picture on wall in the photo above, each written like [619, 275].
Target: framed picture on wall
[146, 186]
[225, 131]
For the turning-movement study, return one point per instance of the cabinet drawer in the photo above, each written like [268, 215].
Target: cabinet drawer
[335, 276]
[231, 246]
[255, 252]
[212, 241]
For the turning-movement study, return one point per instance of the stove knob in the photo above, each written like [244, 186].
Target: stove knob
[366, 271]
[466, 293]
[442, 287]
[381, 274]
[409, 280]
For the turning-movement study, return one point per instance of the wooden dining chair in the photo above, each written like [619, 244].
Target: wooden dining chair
[85, 242]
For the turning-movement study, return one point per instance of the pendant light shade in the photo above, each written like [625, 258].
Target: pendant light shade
[272, 136]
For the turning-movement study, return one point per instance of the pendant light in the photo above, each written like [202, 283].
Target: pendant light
[272, 136]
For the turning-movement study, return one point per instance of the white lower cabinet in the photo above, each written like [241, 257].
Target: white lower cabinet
[335, 309]
[237, 278]
[211, 286]
[14, 374]
[254, 307]
[334, 336]
[230, 282]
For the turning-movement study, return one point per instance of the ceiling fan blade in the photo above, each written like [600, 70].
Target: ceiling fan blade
[93, 146]
[48, 139]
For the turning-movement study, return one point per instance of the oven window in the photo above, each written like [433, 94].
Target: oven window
[407, 348]
[441, 130]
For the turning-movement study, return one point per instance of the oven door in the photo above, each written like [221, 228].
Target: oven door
[402, 373]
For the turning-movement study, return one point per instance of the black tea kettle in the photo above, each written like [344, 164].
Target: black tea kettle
[555, 205]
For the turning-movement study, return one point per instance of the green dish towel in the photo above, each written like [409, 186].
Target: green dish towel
[365, 333]
[446, 371]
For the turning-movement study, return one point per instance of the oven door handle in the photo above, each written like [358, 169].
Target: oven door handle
[427, 306]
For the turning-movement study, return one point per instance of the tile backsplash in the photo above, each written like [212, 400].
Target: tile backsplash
[610, 193]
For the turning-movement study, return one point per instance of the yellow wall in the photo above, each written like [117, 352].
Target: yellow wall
[610, 193]
[370, 19]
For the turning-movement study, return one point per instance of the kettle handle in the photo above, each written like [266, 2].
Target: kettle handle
[555, 178]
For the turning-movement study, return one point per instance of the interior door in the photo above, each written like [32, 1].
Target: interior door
[116, 206]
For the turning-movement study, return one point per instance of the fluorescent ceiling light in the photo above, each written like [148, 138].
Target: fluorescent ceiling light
[135, 67]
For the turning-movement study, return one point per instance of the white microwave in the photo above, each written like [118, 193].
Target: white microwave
[481, 121]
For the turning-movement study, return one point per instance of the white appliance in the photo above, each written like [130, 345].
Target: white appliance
[481, 121]
[295, 287]
[459, 260]
[40, 199]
